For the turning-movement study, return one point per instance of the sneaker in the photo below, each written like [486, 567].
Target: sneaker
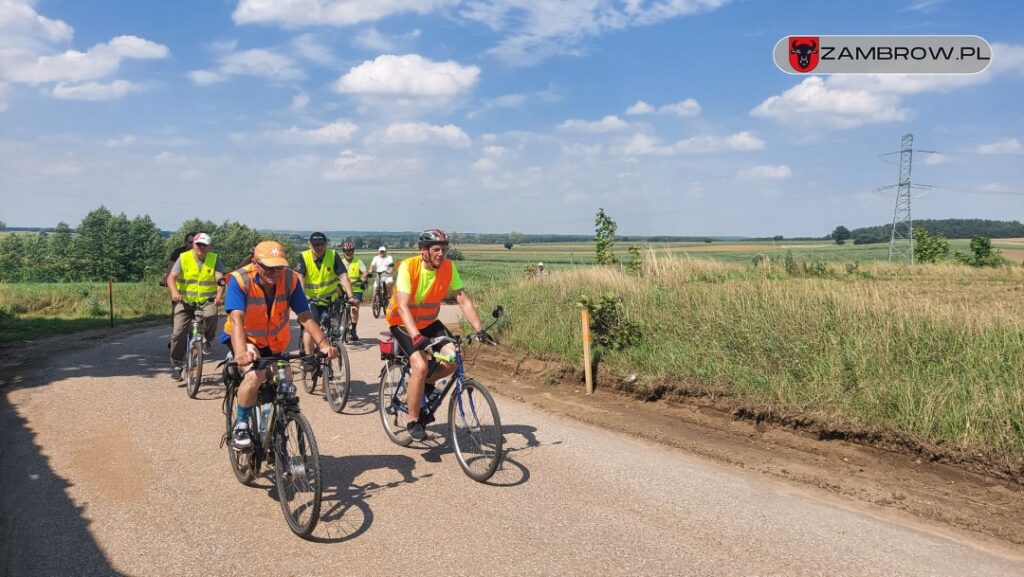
[240, 439]
[176, 373]
[417, 431]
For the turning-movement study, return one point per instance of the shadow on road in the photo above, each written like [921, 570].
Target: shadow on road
[41, 531]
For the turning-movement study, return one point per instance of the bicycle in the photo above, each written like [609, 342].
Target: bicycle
[282, 438]
[473, 419]
[194, 352]
[380, 297]
[336, 375]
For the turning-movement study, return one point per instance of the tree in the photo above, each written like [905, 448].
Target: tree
[604, 238]
[841, 234]
[777, 237]
[929, 249]
[516, 237]
[12, 251]
[60, 254]
[87, 250]
[983, 253]
[508, 244]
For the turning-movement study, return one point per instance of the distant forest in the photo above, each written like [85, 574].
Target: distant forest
[949, 228]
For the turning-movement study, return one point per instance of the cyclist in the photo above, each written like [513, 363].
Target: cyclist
[383, 264]
[318, 267]
[422, 282]
[260, 297]
[357, 277]
[195, 278]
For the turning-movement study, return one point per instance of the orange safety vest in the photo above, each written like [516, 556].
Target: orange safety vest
[423, 312]
[263, 328]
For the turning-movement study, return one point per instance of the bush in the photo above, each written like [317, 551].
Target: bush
[611, 330]
[455, 254]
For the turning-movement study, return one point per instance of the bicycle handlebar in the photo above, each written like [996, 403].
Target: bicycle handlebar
[264, 362]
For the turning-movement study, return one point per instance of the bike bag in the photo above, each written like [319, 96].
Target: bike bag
[387, 345]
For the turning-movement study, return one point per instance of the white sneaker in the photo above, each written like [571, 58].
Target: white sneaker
[240, 439]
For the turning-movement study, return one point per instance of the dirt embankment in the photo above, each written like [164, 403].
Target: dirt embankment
[889, 473]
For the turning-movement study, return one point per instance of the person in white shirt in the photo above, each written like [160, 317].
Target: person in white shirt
[383, 264]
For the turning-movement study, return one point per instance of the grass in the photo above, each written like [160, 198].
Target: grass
[33, 310]
[932, 351]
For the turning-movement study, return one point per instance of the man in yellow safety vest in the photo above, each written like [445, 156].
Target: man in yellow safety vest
[196, 282]
[324, 278]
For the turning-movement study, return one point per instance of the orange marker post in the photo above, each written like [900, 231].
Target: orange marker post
[586, 352]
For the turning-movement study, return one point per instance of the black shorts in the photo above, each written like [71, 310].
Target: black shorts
[431, 331]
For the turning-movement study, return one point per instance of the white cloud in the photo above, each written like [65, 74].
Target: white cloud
[935, 159]
[18, 64]
[640, 107]
[814, 103]
[257, 62]
[21, 26]
[1004, 146]
[95, 90]
[334, 133]
[766, 172]
[644, 145]
[126, 140]
[741, 141]
[606, 124]
[421, 133]
[536, 30]
[495, 151]
[410, 75]
[353, 166]
[293, 13]
[684, 108]
[4, 88]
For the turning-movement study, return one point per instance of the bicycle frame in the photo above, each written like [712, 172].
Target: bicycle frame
[427, 406]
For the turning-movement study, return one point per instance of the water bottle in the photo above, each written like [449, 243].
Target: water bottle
[266, 418]
[438, 390]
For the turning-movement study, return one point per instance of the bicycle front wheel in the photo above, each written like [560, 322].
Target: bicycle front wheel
[297, 471]
[310, 376]
[376, 306]
[337, 379]
[475, 430]
[194, 369]
[391, 404]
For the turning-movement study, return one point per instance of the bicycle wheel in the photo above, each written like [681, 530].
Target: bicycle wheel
[345, 320]
[194, 368]
[376, 305]
[391, 403]
[241, 462]
[475, 430]
[297, 471]
[337, 379]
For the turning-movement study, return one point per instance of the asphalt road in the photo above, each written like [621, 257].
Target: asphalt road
[107, 468]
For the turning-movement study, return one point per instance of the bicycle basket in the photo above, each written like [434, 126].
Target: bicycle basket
[387, 345]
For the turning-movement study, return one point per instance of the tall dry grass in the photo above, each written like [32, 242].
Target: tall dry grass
[935, 351]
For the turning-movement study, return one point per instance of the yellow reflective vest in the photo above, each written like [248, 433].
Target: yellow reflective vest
[197, 284]
[320, 283]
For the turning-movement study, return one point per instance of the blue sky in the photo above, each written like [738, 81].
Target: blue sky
[494, 115]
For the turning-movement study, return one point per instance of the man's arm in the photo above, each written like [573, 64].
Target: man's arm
[468, 309]
[219, 299]
[402, 299]
[238, 340]
[172, 283]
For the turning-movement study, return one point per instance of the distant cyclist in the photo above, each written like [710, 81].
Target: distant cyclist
[324, 279]
[192, 282]
[421, 284]
[383, 264]
[357, 274]
[260, 298]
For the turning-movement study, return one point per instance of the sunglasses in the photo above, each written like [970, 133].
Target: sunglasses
[318, 245]
[271, 269]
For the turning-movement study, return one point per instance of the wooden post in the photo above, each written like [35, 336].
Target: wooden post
[586, 352]
[110, 295]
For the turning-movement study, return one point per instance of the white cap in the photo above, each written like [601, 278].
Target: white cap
[382, 249]
[540, 264]
[201, 238]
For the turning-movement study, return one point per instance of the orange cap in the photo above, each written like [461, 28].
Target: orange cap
[270, 253]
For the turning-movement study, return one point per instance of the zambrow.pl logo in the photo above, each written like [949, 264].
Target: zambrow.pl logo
[803, 53]
[882, 54]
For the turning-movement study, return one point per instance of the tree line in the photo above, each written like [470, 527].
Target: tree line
[108, 246]
[949, 228]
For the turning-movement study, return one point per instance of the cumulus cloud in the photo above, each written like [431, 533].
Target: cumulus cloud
[351, 166]
[308, 47]
[422, 133]
[766, 172]
[334, 133]
[741, 141]
[409, 75]
[641, 107]
[294, 13]
[1004, 146]
[95, 90]
[485, 165]
[606, 124]
[257, 62]
[300, 101]
[644, 145]
[17, 64]
[815, 103]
